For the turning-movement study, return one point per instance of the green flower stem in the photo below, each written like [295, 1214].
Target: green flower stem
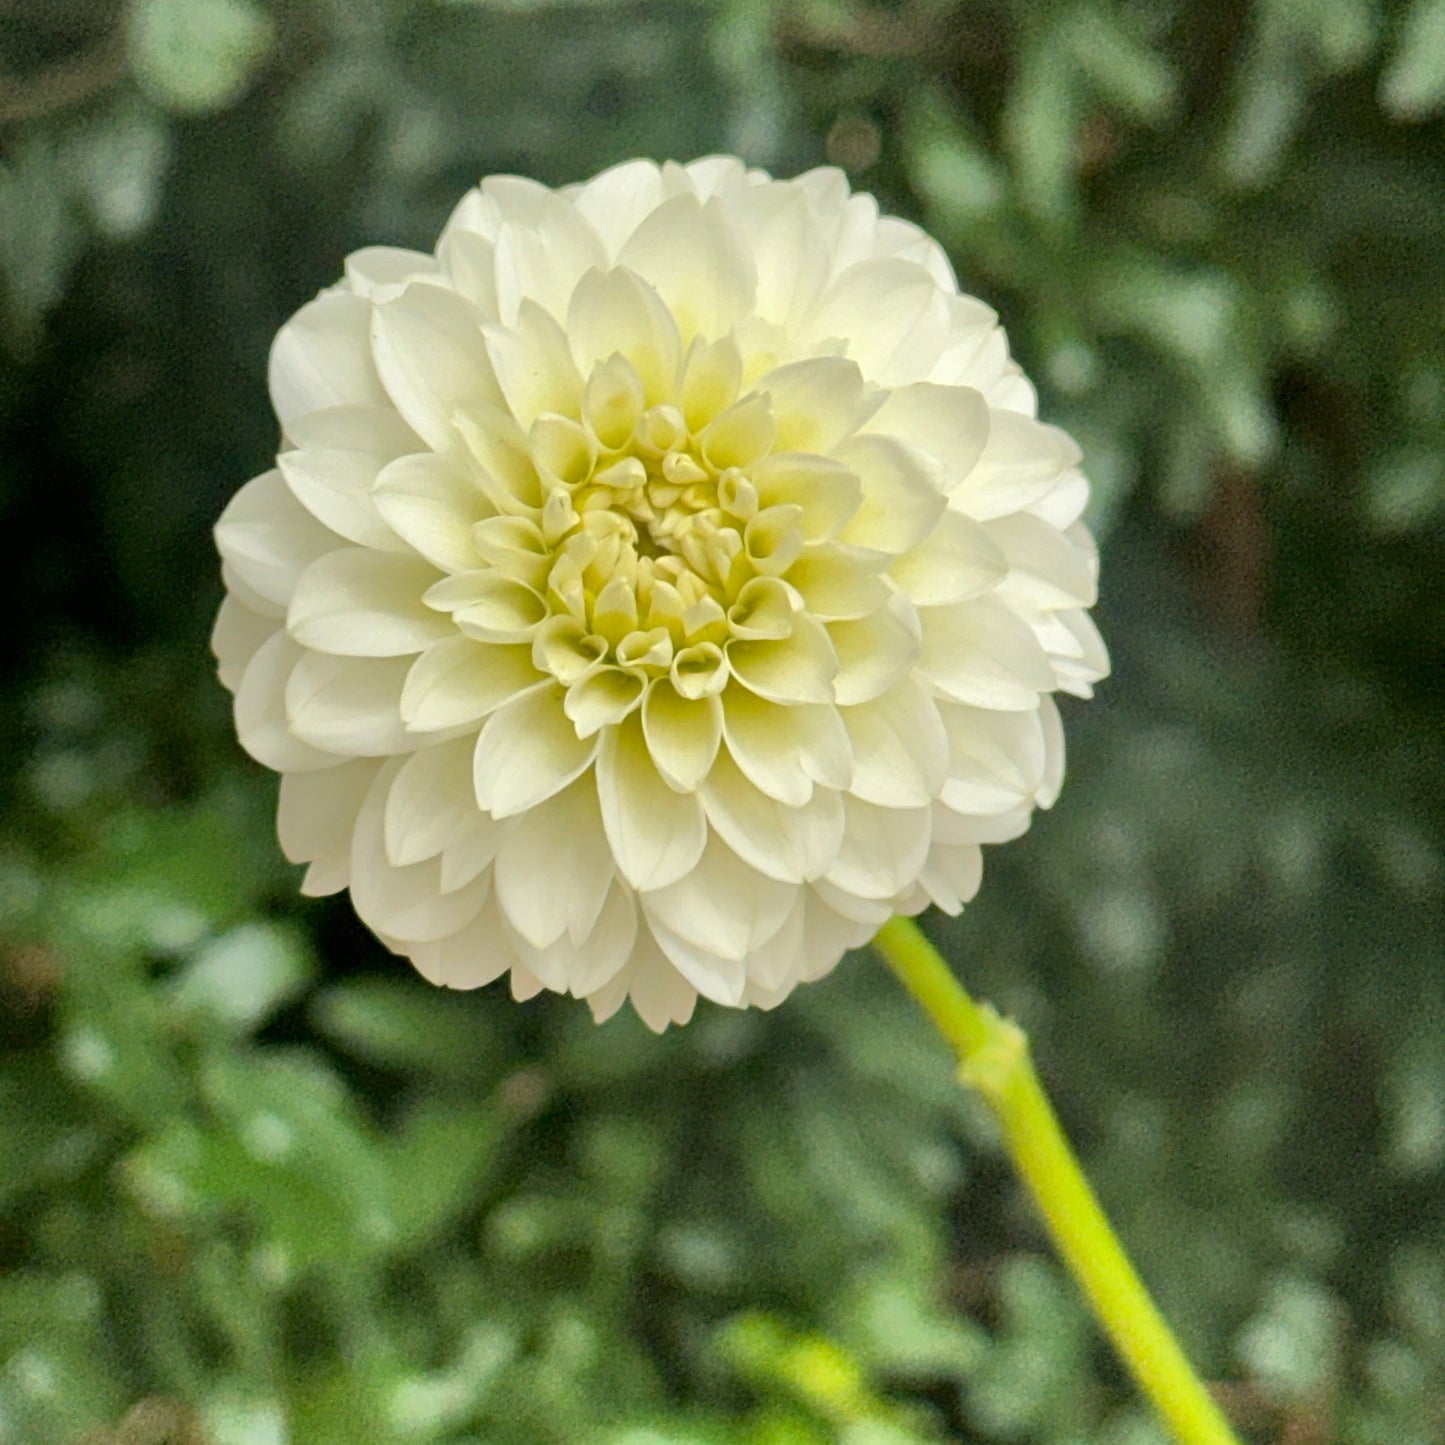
[994, 1054]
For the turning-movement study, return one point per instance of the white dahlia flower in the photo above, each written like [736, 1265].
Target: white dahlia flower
[657, 588]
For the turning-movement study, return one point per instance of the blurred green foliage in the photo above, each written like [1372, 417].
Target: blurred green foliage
[260, 1185]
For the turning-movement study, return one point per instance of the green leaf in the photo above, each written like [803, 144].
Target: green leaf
[1412, 86]
[1124, 70]
[196, 56]
[438, 1162]
[1041, 120]
[404, 1023]
[1033, 1381]
[237, 981]
[1293, 1343]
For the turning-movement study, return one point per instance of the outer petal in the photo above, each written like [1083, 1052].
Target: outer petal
[722, 908]
[430, 356]
[268, 539]
[359, 603]
[789, 843]
[260, 711]
[431, 503]
[460, 680]
[317, 810]
[348, 705]
[236, 637]
[321, 358]
[899, 746]
[554, 870]
[693, 256]
[980, 652]
[404, 903]
[337, 458]
[473, 956]
[657, 835]
[429, 802]
[527, 753]
[882, 849]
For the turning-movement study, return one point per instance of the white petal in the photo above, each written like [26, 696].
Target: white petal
[489, 605]
[348, 705]
[260, 711]
[1064, 503]
[882, 849]
[901, 502]
[963, 827]
[682, 733]
[376, 430]
[721, 980]
[800, 668]
[360, 603]
[692, 255]
[788, 843]
[433, 504]
[950, 423]
[829, 934]
[818, 403]
[269, 539]
[469, 260]
[868, 915]
[474, 956]
[827, 491]
[774, 968]
[527, 752]
[1046, 568]
[997, 760]
[460, 680]
[839, 582]
[789, 251]
[471, 850]
[322, 357]
[874, 652]
[541, 250]
[900, 747]
[722, 907]
[1021, 463]
[429, 802]
[429, 352]
[247, 596]
[554, 869]
[659, 993]
[403, 903]
[618, 312]
[534, 366]
[1052, 725]
[602, 698]
[657, 835]
[982, 653]
[383, 268]
[609, 945]
[952, 875]
[616, 201]
[875, 306]
[236, 637]
[525, 984]
[317, 811]
[784, 750]
[335, 487]
[956, 561]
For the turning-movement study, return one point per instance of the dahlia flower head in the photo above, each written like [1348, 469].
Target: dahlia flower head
[657, 588]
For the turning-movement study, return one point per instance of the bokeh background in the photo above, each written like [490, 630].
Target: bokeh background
[261, 1185]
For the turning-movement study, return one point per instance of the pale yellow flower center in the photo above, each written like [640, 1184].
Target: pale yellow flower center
[653, 549]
